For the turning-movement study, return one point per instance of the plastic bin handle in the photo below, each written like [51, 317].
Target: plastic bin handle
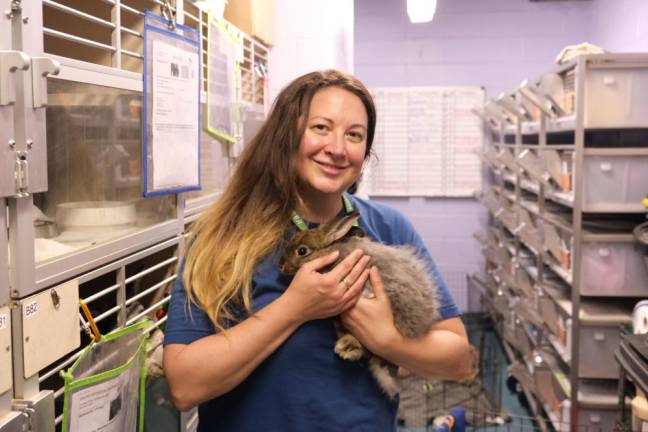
[606, 166]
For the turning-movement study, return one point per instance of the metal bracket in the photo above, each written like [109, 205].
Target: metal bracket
[41, 68]
[15, 9]
[39, 411]
[21, 174]
[169, 14]
[533, 94]
[518, 228]
[10, 62]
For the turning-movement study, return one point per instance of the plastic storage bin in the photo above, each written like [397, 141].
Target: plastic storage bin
[614, 183]
[612, 270]
[623, 91]
[599, 337]
[596, 354]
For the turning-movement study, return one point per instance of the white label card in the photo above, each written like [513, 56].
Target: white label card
[4, 321]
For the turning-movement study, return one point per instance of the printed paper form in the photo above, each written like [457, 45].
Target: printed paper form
[107, 406]
[424, 141]
[220, 81]
[174, 116]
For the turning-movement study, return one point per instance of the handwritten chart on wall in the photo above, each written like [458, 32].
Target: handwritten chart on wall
[425, 140]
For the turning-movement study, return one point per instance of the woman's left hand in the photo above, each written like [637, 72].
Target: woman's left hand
[371, 320]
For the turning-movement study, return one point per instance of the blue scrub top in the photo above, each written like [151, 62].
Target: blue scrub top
[303, 386]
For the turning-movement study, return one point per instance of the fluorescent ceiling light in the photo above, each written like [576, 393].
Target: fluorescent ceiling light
[421, 11]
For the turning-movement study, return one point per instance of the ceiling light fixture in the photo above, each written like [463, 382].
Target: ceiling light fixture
[421, 11]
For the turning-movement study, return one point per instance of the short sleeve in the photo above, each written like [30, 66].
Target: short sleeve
[408, 235]
[186, 322]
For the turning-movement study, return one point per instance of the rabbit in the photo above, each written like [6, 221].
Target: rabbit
[408, 284]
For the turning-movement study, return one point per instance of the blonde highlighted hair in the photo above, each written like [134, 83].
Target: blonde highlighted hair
[249, 220]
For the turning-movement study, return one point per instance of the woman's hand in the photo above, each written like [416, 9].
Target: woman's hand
[315, 295]
[371, 320]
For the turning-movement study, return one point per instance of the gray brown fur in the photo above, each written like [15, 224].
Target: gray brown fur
[411, 290]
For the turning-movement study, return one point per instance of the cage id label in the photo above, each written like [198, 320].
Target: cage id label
[30, 309]
[51, 326]
[4, 321]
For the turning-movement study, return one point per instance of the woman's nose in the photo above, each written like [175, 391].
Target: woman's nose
[337, 144]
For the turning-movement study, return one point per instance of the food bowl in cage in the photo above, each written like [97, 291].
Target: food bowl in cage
[93, 220]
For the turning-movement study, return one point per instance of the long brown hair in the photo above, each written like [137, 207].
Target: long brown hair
[248, 221]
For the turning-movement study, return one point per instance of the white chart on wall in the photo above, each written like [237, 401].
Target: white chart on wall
[425, 141]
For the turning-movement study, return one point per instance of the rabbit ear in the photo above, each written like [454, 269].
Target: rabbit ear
[356, 231]
[338, 228]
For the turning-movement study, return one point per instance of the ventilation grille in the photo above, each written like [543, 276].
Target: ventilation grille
[119, 294]
[109, 34]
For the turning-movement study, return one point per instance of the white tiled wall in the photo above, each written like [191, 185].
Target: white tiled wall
[310, 35]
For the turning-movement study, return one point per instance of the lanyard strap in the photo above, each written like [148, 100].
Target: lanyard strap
[299, 222]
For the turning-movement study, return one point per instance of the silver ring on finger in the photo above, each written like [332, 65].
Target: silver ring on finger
[346, 283]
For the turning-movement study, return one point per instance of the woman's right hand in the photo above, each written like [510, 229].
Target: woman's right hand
[316, 295]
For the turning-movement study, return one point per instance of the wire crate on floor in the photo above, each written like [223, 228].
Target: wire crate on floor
[492, 401]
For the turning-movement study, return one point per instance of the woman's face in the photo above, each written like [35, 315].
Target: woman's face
[332, 149]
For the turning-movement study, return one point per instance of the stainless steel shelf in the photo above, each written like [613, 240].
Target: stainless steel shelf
[568, 203]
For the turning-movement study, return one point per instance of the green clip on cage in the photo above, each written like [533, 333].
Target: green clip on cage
[104, 388]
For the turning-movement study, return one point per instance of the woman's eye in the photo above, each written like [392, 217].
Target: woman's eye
[303, 251]
[356, 136]
[320, 127]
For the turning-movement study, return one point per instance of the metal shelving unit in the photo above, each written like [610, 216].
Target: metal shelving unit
[567, 164]
[71, 89]
[10, 62]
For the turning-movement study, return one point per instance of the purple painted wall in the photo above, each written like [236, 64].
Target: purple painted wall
[491, 43]
[494, 43]
[620, 25]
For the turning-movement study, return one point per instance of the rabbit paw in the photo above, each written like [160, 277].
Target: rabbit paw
[349, 348]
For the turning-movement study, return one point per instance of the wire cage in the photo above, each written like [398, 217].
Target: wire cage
[424, 402]
[493, 401]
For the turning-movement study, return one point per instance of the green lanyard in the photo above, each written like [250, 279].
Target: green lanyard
[299, 222]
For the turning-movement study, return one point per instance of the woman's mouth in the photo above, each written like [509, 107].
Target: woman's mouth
[329, 169]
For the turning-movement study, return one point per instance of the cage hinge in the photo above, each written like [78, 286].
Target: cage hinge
[16, 7]
[21, 174]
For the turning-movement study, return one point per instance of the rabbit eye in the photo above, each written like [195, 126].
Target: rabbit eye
[303, 251]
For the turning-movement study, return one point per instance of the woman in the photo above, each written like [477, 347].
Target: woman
[254, 348]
